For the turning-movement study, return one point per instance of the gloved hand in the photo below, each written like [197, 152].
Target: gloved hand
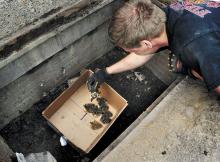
[96, 79]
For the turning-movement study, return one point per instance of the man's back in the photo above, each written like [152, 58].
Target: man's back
[187, 22]
[194, 36]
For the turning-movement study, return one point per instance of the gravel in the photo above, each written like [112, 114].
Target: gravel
[15, 14]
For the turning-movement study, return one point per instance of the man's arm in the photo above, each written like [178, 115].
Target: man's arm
[130, 62]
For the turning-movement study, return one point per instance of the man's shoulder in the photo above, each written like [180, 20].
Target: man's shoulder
[184, 27]
[207, 43]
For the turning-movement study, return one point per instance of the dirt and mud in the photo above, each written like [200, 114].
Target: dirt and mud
[30, 132]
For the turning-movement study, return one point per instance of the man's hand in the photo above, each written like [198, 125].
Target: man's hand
[96, 79]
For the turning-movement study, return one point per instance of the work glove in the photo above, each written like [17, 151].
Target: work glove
[96, 79]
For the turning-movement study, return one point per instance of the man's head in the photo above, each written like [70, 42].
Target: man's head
[137, 26]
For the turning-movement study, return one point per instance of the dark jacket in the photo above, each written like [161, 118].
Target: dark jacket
[194, 37]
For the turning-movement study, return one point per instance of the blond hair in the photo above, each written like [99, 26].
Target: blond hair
[135, 21]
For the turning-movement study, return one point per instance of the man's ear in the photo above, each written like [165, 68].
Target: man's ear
[146, 43]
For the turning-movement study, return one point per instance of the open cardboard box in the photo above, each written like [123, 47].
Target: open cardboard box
[67, 113]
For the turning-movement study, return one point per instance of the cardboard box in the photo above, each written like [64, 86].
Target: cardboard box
[67, 113]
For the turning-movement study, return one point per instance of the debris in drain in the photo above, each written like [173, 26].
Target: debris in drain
[95, 125]
[136, 76]
[139, 76]
[138, 95]
[92, 108]
[44, 94]
[130, 76]
[63, 141]
[106, 117]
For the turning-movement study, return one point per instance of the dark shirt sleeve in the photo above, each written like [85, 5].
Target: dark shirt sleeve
[203, 54]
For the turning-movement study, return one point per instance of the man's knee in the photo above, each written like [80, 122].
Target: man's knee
[217, 90]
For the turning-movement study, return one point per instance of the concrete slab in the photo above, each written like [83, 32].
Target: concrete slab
[5, 151]
[184, 126]
[16, 14]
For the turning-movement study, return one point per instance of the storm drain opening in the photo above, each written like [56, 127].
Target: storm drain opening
[30, 131]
